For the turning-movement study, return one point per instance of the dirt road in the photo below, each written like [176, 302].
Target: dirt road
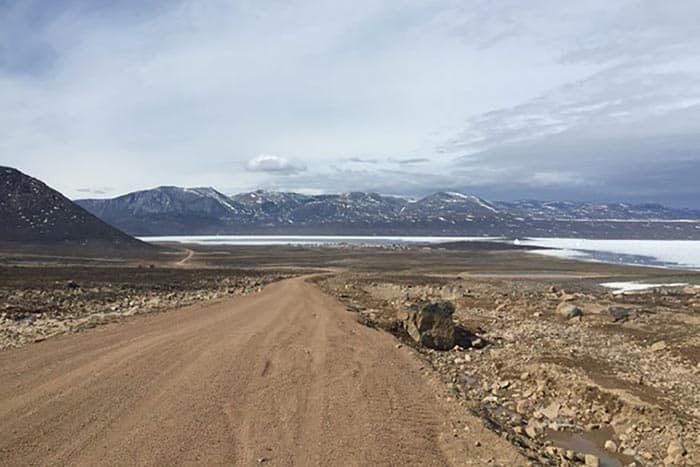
[188, 256]
[283, 377]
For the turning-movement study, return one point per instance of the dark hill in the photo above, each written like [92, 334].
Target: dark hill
[31, 213]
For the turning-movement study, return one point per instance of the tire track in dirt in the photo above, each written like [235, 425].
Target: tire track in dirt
[286, 376]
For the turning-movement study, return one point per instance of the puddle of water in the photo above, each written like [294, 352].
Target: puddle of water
[590, 442]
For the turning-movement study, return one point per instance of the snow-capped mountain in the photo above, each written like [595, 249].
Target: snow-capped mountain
[192, 211]
[33, 213]
[170, 209]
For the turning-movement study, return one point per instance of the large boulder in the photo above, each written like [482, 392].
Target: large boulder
[431, 325]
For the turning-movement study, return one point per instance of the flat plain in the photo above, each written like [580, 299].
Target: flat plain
[287, 355]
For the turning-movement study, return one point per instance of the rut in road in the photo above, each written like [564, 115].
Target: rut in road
[286, 376]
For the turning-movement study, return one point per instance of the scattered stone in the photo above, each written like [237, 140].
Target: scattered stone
[532, 431]
[569, 311]
[523, 406]
[675, 449]
[658, 346]
[611, 446]
[552, 451]
[618, 314]
[591, 461]
[478, 343]
[589, 372]
[44, 309]
[551, 411]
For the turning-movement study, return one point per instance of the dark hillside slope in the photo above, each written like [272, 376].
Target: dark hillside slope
[33, 213]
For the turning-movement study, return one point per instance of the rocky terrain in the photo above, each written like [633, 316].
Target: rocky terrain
[38, 303]
[32, 213]
[205, 211]
[568, 371]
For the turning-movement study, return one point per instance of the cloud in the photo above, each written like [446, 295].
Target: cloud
[360, 160]
[95, 191]
[557, 178]
[556, 99]
[274, 164]
[411, 161]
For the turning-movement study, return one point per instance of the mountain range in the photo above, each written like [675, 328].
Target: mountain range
[172, 210]
[32, 213]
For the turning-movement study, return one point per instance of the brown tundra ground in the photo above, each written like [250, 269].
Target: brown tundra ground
[299, 356]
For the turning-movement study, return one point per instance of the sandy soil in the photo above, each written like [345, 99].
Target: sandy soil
[283, 377]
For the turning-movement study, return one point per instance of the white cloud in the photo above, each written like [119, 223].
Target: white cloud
[95, 191]
[555, 178]
[274, 164]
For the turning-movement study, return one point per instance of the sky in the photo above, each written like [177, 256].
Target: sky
[544, 99]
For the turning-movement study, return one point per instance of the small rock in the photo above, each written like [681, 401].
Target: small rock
[522, 406]
[531, 431]
[675, 449]
[569, 311]
[618, 314]
[551, 411]
[478, 343]
[591, 460]
[658, 346]
[611, 446]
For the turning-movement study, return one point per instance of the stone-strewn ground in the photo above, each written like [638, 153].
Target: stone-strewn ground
[39, 302]
[620, 383]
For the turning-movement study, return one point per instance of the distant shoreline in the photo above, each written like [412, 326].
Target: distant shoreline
[676, 254]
